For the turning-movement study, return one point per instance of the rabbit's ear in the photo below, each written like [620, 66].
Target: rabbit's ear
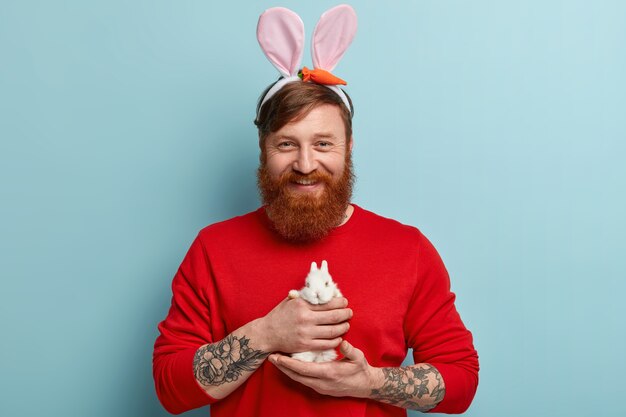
[332, 36]
[280, 33]
[313, 266]
[324, 266]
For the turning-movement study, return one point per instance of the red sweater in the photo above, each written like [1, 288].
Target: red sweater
[238, 270]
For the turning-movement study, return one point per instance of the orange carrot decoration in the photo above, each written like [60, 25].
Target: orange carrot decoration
[320, 76]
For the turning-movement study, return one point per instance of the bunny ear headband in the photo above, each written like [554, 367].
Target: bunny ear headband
[281, 35]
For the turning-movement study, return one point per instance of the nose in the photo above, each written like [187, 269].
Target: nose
[306, 161]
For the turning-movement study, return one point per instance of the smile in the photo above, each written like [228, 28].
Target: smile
[305, 186]
[305, 182]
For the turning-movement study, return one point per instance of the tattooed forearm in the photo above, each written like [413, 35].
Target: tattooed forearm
[226, 360]
[418, 387]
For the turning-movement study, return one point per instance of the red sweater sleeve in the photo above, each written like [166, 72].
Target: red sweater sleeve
[437, 335]
[184, 330]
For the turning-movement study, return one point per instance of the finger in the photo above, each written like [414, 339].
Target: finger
[332, 316]
[329, 331]
[303, 369]
[305, 380]
[350, 352]
[278, 361]
[324, 344]
[334, 303]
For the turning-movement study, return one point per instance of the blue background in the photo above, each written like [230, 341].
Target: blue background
[496, 127]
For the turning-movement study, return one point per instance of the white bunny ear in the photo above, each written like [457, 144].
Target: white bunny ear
[332, 36]
[313, 266]
[280, 33]
[324, 266]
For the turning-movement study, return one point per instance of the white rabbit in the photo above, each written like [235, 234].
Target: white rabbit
[319, 288]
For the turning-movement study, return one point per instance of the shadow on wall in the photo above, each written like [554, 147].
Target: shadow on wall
[234, 188]
[230, 185]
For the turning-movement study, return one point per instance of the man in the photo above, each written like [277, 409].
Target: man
[231, 327]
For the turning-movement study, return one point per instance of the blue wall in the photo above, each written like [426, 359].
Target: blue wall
[496, 127]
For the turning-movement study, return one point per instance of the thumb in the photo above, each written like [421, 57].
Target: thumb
[349, 351]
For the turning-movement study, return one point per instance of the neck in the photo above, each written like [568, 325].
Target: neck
[347, 214]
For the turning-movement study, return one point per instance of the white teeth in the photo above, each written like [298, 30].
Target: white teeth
[305, 182]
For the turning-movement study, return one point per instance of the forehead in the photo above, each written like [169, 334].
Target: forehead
[322, 121]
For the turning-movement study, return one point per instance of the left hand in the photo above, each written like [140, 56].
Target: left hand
[352, 376]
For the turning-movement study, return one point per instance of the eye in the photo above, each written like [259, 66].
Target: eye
[284, 144]
[327, 283]
[324, 144]
[307, 285]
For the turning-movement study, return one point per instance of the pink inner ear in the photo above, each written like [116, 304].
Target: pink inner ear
[332, 36]
[280, 33]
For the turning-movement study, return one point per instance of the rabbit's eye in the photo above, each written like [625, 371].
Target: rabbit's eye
[327, 283]
[307, 285]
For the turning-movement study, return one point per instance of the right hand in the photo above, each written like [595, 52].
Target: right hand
[297, 326]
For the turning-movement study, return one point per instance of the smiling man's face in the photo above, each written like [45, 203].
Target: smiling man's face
[315, 144]
[306, 177]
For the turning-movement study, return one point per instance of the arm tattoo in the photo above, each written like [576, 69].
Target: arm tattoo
[418, 387]
[225, 361]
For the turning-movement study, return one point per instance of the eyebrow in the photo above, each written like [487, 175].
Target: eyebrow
[282, 137]
[322, 135]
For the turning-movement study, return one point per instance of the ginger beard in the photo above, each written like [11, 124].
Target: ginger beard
[300, 217]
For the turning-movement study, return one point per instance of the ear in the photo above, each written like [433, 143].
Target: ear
[313, 266]
[351, 143]
[332, 36]
[280, 33]
[324, 266]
